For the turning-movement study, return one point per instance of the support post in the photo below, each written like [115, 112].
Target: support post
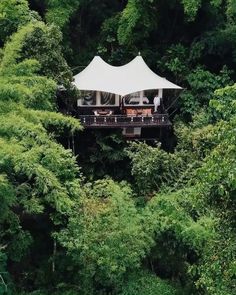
[160, 94]
[117, 100]
[141, 97]
[98, 98]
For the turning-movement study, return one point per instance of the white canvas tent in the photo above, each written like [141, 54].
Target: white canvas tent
[133, 77]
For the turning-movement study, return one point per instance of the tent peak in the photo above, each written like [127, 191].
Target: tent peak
[98, 58]
[122, 80]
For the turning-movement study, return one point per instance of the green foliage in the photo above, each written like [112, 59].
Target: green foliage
[231, 10]
[136, 17]
[129, 19]
[39, 42]
[108, 43]
[148, 284]
[216, 187]
[218, 173]
[191, 8]
[21, 68]
[105, 151]
[39, 179]
[61, 236]
[175, 61]
[35, 92]
[4, 275]
[154, 169]
[202, 84]
[167, 214]
[44, 45]
[217, 268]
[23, 156]
[38, 174]
[110, 238]
[13, 13]
[224, 102]
[59, 12]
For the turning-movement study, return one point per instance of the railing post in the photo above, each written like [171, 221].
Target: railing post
[156, 119]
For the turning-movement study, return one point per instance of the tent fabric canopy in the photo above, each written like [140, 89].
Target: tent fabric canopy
[123, 80]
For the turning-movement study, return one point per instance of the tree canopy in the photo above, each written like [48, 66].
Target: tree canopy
[87, 213]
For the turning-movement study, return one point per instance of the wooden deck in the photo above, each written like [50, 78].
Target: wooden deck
[123, 121]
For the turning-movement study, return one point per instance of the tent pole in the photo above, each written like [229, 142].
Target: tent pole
[141, 97]
[160, 93]
[117, 100]
[98, 98]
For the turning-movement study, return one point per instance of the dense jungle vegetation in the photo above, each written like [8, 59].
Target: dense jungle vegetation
[88, 213]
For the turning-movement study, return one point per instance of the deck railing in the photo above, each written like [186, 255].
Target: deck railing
[93, 121]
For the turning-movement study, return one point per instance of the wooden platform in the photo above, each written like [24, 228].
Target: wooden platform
[124, 121]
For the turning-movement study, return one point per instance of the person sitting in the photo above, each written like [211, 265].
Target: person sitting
[157, 102]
